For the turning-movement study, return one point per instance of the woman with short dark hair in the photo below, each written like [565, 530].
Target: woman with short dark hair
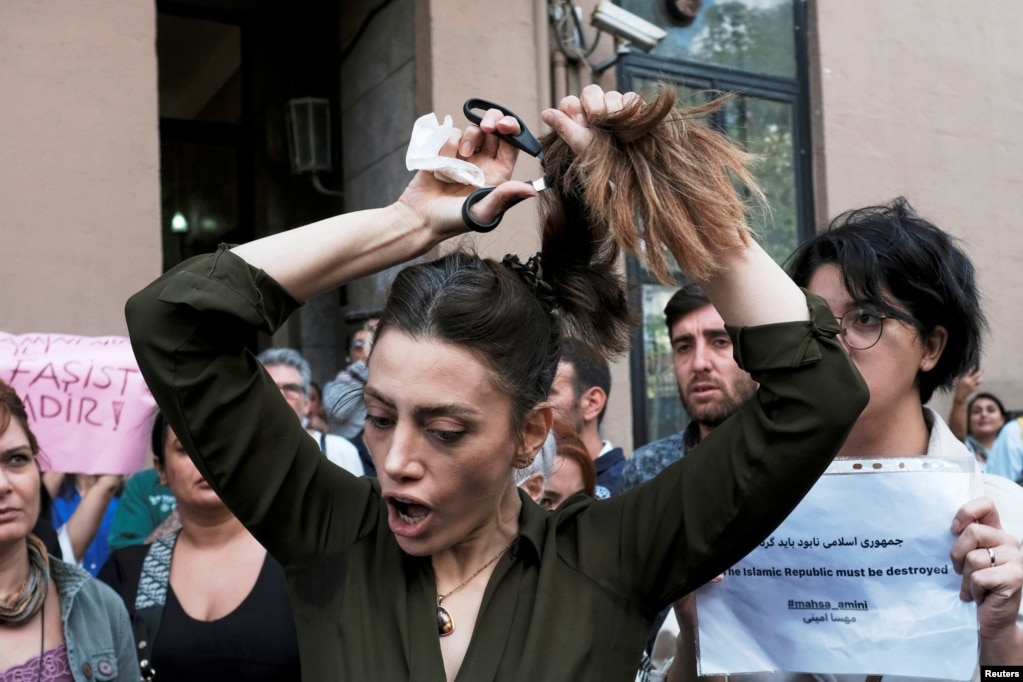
[907, 298]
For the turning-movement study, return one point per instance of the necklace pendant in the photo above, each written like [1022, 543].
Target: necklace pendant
[445, 624]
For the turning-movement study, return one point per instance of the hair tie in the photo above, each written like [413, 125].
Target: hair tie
[531, 272]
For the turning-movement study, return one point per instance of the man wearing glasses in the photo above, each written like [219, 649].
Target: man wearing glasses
[292, 374]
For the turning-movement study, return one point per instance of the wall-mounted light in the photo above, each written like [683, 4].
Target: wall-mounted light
[307, 127]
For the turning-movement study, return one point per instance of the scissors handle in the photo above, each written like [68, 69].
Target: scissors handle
[524, 140]
[471, 222]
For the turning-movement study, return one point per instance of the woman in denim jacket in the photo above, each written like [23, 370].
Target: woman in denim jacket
[57, 623]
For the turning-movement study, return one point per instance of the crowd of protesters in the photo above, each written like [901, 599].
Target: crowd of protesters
[447, 506]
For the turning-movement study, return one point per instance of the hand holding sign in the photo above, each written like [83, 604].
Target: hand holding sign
[990, 562]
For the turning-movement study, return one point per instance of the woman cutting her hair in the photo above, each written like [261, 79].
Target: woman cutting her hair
[441, 567]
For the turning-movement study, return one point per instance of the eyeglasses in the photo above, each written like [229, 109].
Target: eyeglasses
[862, 327]
[292, 391]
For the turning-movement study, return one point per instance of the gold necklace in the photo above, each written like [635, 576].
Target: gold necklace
[445, 623]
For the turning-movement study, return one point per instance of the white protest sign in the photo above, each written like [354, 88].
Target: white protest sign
[857, 580]
[86, 400]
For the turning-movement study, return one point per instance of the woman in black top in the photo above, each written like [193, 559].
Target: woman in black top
[225, 613]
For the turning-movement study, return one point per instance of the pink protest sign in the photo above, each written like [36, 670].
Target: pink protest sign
[86, 400]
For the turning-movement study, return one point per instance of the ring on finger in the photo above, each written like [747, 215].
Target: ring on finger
[991, 553]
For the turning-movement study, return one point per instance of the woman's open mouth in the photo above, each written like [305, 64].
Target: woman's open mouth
[410, 512]
[407, 516]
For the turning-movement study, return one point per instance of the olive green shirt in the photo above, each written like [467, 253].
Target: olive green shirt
[575, 596]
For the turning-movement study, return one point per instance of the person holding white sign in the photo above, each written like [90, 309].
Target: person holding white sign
[905, 295]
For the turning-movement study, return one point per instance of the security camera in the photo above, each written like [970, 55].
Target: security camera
[627, 26]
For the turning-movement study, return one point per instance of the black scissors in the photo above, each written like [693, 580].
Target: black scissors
[524, 141]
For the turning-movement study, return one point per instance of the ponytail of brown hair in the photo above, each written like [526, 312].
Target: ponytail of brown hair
[654, 178]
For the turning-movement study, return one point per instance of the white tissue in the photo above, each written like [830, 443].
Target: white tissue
[428, 136]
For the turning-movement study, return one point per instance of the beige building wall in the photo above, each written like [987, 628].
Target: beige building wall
[924, 98]
[79, 163]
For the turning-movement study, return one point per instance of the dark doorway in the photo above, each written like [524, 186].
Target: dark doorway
[226, 70]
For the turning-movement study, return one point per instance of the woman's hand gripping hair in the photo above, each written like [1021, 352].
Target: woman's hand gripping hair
[438, 203]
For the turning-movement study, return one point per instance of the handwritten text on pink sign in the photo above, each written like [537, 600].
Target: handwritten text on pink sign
[86, 400]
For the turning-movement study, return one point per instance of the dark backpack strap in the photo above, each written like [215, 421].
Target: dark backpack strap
[150, 598]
